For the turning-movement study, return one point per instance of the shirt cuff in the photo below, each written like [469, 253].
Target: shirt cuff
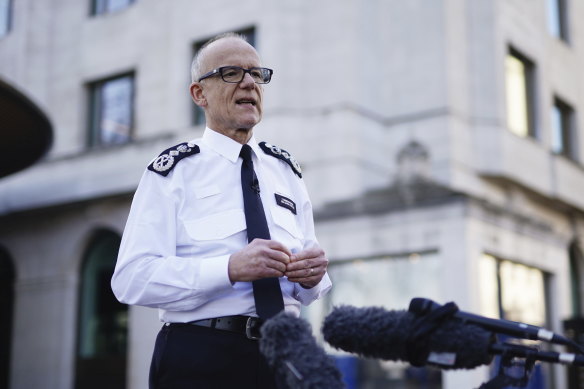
[214, 274]
[307, 296]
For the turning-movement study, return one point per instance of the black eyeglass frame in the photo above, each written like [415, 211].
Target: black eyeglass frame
[219, 71]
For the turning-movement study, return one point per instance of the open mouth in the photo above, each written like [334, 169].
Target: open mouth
[246, 101]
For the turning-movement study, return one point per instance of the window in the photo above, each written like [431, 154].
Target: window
[574, 326]
[99, 7]
[7, 302]
[103, 321]
[558, 18]
[389, 282]
[576, 285]
[503, 285]
[5, 17]
[198, 113]
[516, 292]
[520, 93]
[111, 111]
[562, 126]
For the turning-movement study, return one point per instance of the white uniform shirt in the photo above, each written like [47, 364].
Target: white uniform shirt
[182, 229]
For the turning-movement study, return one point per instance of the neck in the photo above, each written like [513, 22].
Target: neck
[240, 135]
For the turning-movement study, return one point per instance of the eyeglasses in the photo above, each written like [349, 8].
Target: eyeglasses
[235, 74]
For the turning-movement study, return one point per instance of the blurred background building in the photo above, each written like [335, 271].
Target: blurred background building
[440, 141]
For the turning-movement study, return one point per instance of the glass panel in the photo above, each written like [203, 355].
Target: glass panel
[389, 282]
[562, 129]
[554, 18]
[518, 305]
[575, 279]
[112, 111]
[103, 325]
[489, 286]
[115, 5]
[517, 96]
[106, 6]
[515, 292]
[116, 114]
[557, 123]
[557, 20]
[98, 7]
[103, 321]
[5, 16]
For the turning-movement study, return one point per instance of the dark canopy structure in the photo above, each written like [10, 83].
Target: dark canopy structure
[25, 131]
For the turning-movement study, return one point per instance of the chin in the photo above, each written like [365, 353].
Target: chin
[249, 124]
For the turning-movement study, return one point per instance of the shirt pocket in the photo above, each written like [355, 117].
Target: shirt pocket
[286, 220]
[216, 226]
[202, 192]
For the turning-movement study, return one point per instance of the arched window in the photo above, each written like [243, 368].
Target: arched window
[7, 304]
[103, 321]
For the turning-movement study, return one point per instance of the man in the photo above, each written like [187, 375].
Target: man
[191, 246]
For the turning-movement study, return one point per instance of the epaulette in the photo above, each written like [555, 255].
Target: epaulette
[285, 156]
[168, 159]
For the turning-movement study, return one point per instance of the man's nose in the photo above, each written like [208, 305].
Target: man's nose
[247, 81]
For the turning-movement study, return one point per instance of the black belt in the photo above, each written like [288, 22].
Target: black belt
[248, 325]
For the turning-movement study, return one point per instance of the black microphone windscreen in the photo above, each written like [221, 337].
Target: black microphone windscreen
[296, 359]
[378, 333]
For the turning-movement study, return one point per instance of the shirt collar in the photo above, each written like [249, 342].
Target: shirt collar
[227, 147]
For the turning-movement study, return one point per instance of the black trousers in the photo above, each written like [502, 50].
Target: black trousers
[192, 357]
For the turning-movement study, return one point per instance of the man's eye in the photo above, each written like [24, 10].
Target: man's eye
[230, 72]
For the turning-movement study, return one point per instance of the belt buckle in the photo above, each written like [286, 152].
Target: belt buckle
[252, 328]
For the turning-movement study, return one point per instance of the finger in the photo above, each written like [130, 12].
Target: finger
[306, 280]
[274, 250]
[303, 273]
[300, 265]
[279, 256]
[280, 267]
[313, 252]
[275, 245]
[271, 249]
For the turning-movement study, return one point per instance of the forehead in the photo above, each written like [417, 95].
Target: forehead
[230, 51]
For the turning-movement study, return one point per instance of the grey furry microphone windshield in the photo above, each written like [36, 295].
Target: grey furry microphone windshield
[297, 360]
[391, 335]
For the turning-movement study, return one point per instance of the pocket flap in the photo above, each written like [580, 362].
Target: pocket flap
[206, 191]
[217, 226]
[286, 220]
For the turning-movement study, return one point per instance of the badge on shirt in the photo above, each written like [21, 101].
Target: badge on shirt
[286, 203]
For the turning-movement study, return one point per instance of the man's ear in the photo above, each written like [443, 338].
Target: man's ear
[197, 94]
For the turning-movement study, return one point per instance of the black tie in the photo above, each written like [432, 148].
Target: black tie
[266, 291]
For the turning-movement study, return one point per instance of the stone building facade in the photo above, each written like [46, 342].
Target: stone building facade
[440, 142]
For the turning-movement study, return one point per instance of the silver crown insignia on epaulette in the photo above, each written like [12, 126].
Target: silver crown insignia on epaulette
[284, 155]
[166, 161]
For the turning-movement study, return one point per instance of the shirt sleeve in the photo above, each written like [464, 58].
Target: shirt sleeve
[303, 295]
[148, 272]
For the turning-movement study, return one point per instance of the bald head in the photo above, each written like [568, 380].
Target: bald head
[200, 63]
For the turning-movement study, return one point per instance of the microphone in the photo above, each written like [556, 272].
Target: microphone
[392, 335]
[422, 306]
[521, 351]
[297, 361]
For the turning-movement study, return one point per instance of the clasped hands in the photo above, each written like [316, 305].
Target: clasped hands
[268, 258]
